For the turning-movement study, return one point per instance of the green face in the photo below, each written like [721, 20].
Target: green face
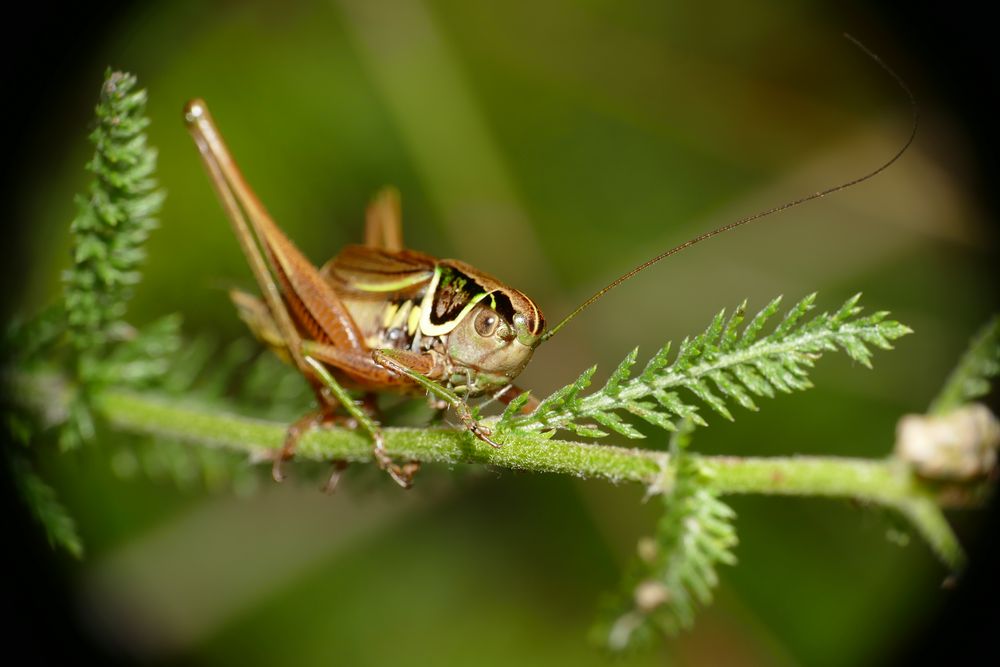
[486, 348]
[491, 329]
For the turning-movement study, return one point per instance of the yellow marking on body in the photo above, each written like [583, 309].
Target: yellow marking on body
[413, 321]
[428, 328]
[390, 312]
[536, 316]
[401, 317]
[396, 286]
[427, 304]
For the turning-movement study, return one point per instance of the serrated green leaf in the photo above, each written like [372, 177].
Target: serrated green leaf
[730, 335]
[562, 396]
[515, 406]
[848, 310]
[700, 389]
[674, 404]
[649, 413]
[739, 366]
[656, 363]
[714, 330]
[971, 377]
[686, 353]
[793, 316]
[732, 389]
[855, 349]
[759, 320]
[695, 535]
[621, 374]
[753, 381]
[114, 219]
[773, 372]
[585, 430]
[615, 423]
[60, 528]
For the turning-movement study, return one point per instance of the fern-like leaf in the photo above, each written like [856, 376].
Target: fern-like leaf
[237, 375]
[60, 528]
[112, 224]
[677, 570]
[716, 368]
[114, 220]
[971, 377]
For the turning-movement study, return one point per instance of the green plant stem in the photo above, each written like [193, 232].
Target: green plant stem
[883, 482]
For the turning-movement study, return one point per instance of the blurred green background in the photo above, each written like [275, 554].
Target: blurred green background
[555, 145]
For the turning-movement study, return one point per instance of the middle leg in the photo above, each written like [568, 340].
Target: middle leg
[402, 475]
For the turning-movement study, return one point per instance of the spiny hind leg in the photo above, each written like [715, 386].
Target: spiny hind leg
[402, 475]
[318, 417]
[339, 466]
[325, 415]
[368, 403]
[257, 316]
[254, 312]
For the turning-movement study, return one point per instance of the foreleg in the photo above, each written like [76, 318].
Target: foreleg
[403, 362]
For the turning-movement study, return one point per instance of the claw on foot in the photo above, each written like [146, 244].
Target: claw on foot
[401, 474]
[292, 436]
[484, 434]
[331, 483]
[277, 474]
[477, 429]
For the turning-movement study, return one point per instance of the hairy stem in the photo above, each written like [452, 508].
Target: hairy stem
[882, 482]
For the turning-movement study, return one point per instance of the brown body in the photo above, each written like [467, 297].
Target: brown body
[397, 302]
[377, 316]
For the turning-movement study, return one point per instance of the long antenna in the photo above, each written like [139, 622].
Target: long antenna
[763, 214]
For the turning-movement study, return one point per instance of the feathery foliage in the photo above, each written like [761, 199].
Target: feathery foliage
[729, 361]
[971, 377]
[676, 570]
[60, 528]
[224, 375]
[732, 361]
[113, 221]
[83, 343]
[111, 226]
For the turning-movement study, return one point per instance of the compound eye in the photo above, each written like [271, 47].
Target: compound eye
[486, 323]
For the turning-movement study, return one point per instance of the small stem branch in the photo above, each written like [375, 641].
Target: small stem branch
[884, 482]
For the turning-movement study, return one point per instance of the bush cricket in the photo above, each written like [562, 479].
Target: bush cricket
[381, 317]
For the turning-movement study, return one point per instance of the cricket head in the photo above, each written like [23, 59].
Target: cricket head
[494, 341]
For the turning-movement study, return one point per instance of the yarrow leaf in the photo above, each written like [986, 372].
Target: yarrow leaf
[971, 377]
[114, 220]
[720, 366]
[676, 570]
